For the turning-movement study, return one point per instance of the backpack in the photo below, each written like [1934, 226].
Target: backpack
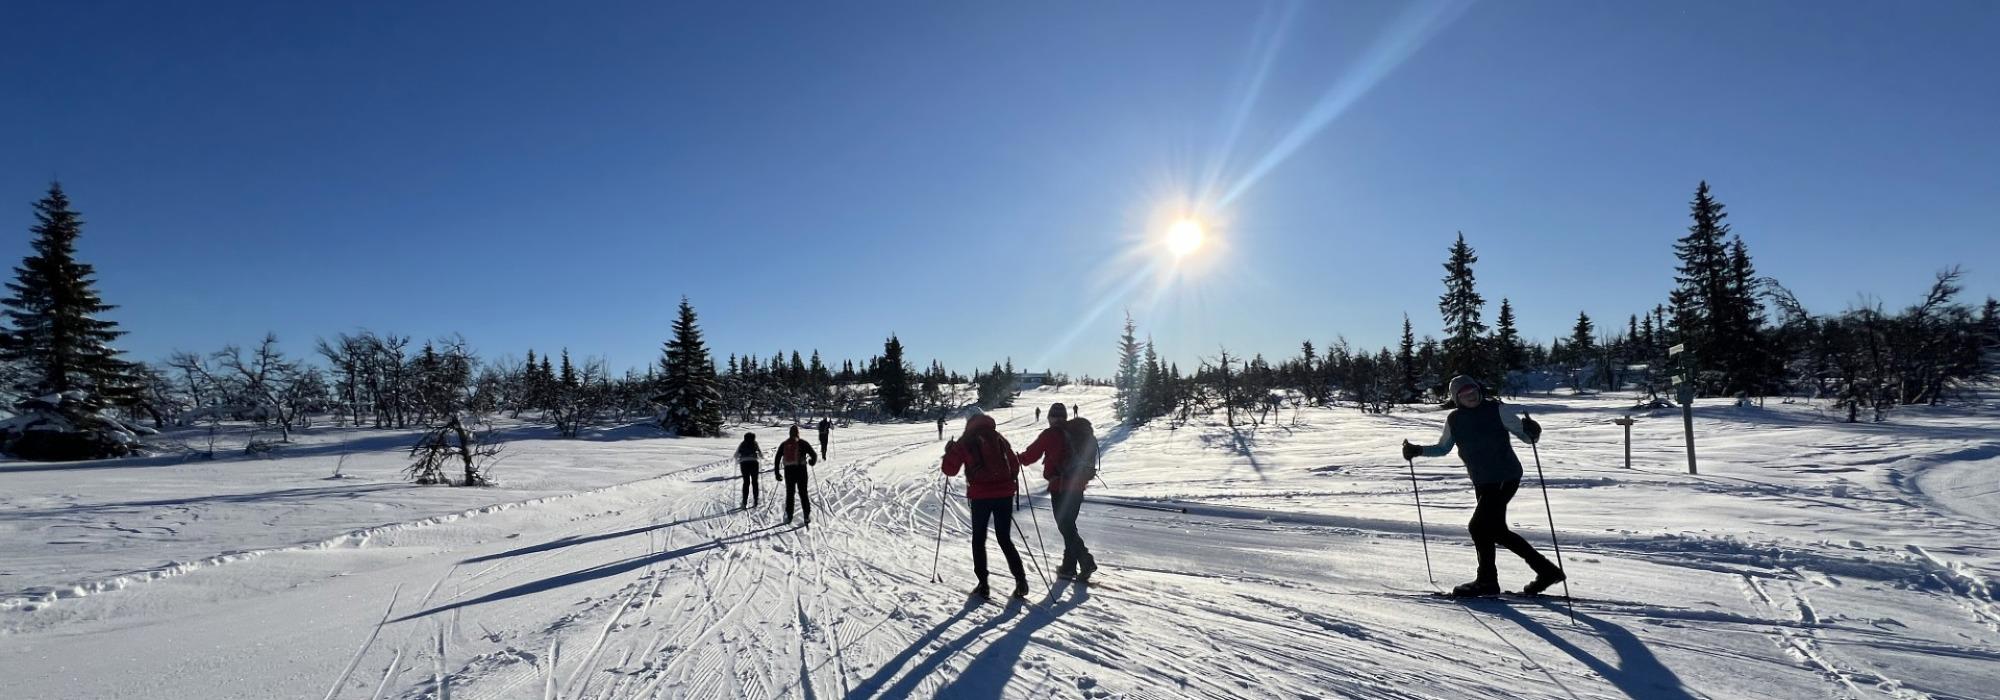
[1081, 439]
[978, 468]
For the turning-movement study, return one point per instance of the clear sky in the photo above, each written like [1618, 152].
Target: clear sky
[985, 179]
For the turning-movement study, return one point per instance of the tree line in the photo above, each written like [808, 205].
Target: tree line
[1722, 330]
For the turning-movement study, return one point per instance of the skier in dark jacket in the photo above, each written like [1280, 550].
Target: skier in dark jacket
[749, 457]
[825, 429]
[991, 472]
[793, 456]
[1052, 448]
[1479, 428]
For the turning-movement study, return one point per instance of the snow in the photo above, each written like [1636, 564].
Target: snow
[1808, 559]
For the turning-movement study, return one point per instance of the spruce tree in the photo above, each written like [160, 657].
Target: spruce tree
[1150, 385]
[892, 379]
[1507, 341]
[569, 380]
[1745, 359]
[1406, 365]
[1464, 347]
[1582, 336]
[693, 397]
[1701, 298]
[56, 337]
[1127, 381]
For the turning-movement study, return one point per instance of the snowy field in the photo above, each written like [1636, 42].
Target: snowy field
[1809, 559]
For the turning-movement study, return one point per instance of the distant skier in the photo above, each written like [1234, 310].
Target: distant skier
[1067, 450]
[940, 426]
[793, 456]
[1478, 428]
[825, 429]
[1038, 414]
[991, 470]
[749, 457]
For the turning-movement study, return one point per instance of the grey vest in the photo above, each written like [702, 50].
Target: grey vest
[1483, 444]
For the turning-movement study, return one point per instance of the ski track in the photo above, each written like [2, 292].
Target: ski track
[719, 602]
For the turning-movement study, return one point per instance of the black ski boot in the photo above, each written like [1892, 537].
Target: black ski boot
[1476, 589]
[1089, 567]
[982, 591]
[1020, 590]
[1543, 581]
[1065, 574]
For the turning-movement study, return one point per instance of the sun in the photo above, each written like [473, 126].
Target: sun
[1185, 237]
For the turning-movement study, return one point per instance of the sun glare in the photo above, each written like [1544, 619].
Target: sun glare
[1185, 237]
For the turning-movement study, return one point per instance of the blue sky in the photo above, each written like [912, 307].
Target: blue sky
[986, 180]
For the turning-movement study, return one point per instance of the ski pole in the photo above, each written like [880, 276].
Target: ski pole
[1422, 535]
[1553, 539]
[943, 495]
[1041, 566]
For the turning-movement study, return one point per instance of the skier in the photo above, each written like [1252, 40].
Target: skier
[1478, 427]
[1066, 449]
[991, 470]
[940, 425]
[1038, 414]
[825, 428]
[793, 456]
[748, 457]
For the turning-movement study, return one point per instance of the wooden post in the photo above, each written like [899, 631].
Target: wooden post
[1627, 422]
[1686, 395]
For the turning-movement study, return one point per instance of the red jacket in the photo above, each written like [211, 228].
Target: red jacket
[1052, 444]
[992, 472]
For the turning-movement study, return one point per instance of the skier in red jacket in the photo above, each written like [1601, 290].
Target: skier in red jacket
[991, 472]
[1066, 483]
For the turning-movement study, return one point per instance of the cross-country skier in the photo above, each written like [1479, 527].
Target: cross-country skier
[748, 457]
[1062, 448]
[825, 428]
[940, 426]
[990, 473]
[1479, 427]
[793, 456]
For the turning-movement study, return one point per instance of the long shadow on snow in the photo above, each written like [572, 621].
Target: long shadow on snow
[873, 686]
[309, 493]
[1639, 674]
[986, 675]
[587, 539]
[594, 573]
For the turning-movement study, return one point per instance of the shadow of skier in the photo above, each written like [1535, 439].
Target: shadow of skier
[986, 675]
[873, 686]
[1638, 673]
[594, 573]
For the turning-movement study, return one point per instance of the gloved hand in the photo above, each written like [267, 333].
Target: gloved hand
[1533, 429]
[1412, 451]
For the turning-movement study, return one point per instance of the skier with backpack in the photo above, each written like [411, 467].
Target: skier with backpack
[748, 458]
[1479, 427]
[1067, 450]
[991, 472]
[793, 456]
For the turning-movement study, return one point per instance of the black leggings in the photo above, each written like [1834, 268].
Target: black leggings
[752, 491]
[795, 487]
[1067, 505]
[1000, 512]
[1489, 528]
